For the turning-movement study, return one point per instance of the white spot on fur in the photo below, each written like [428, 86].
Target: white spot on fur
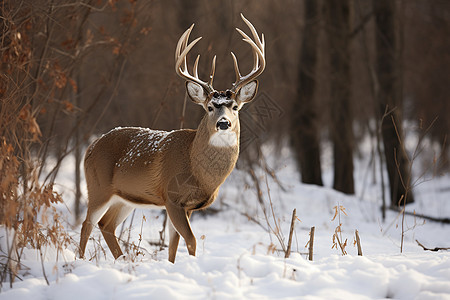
[223, 138]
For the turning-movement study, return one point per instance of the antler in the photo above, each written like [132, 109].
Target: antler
[259, 60]
[181, 68]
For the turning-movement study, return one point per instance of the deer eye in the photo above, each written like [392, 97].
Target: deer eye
[216, 95]
[210, 108]
[235, 107]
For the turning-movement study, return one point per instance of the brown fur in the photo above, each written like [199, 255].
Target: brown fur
[176, 170]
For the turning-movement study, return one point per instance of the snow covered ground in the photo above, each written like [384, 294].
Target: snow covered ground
[237, 258]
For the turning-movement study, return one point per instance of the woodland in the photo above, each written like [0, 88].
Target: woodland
[338, 74]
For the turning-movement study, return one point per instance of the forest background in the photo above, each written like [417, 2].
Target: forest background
[338, 72]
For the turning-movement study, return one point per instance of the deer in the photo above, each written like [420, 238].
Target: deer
[180, 171]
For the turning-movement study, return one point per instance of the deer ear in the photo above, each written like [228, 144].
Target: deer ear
[196, 92]
[247, 92]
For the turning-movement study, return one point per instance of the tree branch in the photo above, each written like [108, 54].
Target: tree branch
[433, 249]
[430, 218]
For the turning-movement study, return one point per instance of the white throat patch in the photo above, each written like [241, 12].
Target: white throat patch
[223, 138]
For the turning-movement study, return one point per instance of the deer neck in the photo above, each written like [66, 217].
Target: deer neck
[212, 162]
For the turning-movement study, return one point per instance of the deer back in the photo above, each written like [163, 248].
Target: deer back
[136, 163]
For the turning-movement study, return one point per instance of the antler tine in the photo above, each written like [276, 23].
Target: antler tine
[181, 51]
[196, 66]
[181, 42]
[256, 54]
[236, 66]
[259, 61]
[254, 32]
[185, 44]
[184, 51]
[213, 70]
[182, 57]
[258, 48]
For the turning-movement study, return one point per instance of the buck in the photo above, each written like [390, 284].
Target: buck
[180, 170]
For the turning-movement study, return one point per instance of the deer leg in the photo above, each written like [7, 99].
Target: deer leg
[174, 238]
[86, 230]
[94, 214]
[115, 215]
[180, 223]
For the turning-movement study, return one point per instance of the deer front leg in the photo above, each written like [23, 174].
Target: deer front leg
[174, 238]
[179, 225]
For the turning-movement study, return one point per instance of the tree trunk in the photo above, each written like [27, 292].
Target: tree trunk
[390, 100]
[304, 132]
[341, 131]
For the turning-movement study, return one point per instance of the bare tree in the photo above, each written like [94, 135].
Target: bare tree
[389, 100]
[304, 118]
[426, 31]
[341, 130]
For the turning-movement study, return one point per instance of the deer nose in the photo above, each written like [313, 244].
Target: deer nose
[223, 124]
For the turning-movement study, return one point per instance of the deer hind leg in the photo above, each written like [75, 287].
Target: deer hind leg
[94, 214]
[115, 215]
[179, 225]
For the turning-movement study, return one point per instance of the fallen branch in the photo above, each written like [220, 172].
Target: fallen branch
[429, 249]
[430, 218]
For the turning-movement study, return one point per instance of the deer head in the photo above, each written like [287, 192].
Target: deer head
[222, 107]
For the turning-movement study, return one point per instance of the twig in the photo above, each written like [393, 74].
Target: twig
[433, 249]
[66, 149]
[162, 232]
[250, 218]
[358, 243]
[288, 250]
[311, 243]
[340, 244]
[183, 112]
[42, 265]
[277, 230]
[129, 231]
[364, 20]
[157, 244]
[140, 234]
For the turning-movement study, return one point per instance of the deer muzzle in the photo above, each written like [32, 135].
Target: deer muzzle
[223, 124]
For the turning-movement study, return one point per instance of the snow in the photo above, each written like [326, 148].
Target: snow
[221, 101]
[235, 257]
[145, 141]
